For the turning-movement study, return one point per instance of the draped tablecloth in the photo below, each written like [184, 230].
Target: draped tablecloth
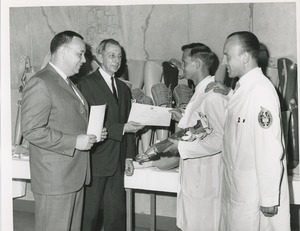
[20, 175]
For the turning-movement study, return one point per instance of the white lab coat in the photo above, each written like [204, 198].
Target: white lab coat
[254, 164]
[200, 168]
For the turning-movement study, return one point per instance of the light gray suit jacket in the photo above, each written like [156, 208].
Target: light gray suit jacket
[52, 117]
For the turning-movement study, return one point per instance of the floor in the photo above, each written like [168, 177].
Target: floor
[24, 221]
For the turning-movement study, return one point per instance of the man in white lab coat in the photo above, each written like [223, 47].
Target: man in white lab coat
[200, 169]
[255, 193]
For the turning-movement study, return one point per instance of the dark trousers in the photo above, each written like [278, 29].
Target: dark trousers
[107, 191]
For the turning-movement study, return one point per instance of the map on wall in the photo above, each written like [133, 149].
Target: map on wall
[103, 22]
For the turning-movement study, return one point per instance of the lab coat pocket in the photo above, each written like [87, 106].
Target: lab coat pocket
[195, 178]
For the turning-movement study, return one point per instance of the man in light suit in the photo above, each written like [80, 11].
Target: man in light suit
[54, 121]
[108, 157]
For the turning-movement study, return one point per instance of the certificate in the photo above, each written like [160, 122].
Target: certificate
[150, 115]
[96, 121]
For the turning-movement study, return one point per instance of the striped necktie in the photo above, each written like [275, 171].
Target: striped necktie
[114, 88]
[70, 83]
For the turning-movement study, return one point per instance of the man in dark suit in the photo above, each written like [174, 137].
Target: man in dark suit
[54, 121]
[109, 158]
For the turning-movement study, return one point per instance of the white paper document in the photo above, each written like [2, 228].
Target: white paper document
[150, 115]
[96, 120]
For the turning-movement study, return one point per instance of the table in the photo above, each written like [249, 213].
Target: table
[153, 180]
[20, 169]
[20, 176]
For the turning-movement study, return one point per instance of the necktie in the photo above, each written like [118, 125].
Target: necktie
[114, 88]
[69, 81]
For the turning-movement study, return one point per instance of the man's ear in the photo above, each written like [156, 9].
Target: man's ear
[99, 57]
[197, 62]
[246, 57]
[63, 50]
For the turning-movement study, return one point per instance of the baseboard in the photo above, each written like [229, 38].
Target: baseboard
[23, 205]
[140, 220]
[162, 222]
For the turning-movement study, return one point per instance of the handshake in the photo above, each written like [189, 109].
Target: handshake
[199, 131]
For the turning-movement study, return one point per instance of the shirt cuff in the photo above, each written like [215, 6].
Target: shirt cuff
[270, 201]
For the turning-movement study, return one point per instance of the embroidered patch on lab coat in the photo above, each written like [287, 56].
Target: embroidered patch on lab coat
[265, 118]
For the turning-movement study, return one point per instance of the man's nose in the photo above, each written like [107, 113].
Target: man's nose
[83, 59]
[224, 61]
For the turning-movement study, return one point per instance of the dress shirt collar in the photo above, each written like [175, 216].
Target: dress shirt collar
[106, 78]
[59, 71]
[105, 75]
[202, 85]
[249, 77]
[190, 116]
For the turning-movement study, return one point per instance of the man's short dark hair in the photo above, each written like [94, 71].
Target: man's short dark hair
[201, 51]
[101, 48]
[62, 38]
[249, 42]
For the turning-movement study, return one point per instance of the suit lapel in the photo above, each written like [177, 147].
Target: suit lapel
[120, 91]
[82, 97]
[106, 90]
[63, 84]
[66, 86]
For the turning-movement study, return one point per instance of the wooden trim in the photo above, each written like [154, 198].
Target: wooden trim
[162, 222]
[23, 205]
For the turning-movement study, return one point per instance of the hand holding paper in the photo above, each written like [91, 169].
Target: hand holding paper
[96, 120]
[103, 134]
[132, 127]
[85, 142]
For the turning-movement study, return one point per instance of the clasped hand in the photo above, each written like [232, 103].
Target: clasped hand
[129, 168]
[86, 142]
[218, 87]
[176, 114]
[132, 127]
[269, 211]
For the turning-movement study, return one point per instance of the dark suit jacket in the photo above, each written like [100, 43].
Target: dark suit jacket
[105, 155]
[52, 117]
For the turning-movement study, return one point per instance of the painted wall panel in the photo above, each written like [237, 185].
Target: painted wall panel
[275, 26]
[212, 23]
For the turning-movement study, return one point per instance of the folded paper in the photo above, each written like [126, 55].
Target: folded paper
[150, 115]
[96, 120]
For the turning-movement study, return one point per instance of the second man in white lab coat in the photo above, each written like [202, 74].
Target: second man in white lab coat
[255, 194]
